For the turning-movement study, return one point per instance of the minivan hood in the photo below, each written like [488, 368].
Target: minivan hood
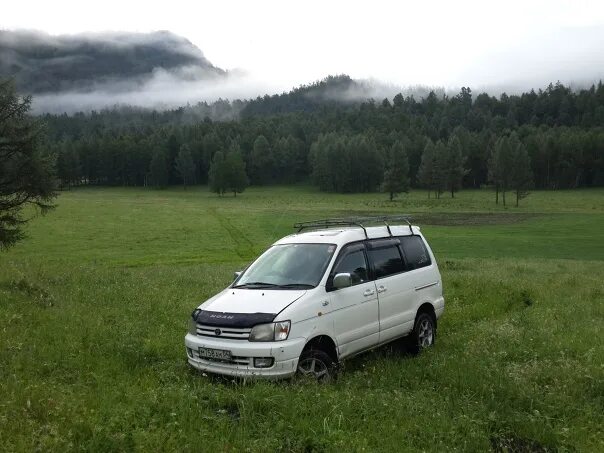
[251, 300]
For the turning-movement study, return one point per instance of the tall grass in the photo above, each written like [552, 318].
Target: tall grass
[94, 306]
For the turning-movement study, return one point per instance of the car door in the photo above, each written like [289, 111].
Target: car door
[395, 291]
[355, 308]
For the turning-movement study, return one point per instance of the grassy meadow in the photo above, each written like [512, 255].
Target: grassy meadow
[94, 305]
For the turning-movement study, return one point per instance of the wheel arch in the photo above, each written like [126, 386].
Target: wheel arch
[427, 307]
[324, 343]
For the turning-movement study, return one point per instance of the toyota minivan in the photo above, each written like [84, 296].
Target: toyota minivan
[334, 289]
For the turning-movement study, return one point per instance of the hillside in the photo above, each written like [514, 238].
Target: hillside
[42, 63]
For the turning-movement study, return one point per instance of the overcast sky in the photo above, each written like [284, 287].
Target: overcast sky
[286, 43]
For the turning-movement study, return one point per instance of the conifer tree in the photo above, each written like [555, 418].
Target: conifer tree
[425, 173]
[454, 165]
[217, 174]
[26, 172]
[158, 169]
[185, 167]
[521, 175]
[441, 160]
[236, 179]
[498, 167]
[261, 161]
[396, 175]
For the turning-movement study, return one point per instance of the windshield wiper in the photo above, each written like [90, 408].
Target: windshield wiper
[257, 285]
[296, 285]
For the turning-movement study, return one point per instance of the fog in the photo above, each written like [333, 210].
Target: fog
[92, 71]
[162, 90]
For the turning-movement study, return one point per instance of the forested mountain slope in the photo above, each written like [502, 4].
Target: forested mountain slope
[42, 63]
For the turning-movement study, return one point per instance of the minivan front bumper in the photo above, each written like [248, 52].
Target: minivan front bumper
[285, 355]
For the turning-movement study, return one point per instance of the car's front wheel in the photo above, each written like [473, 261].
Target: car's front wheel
[316, 364]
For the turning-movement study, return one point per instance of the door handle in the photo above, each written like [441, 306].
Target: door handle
[382, 289]
[325, 303]
[368, 292]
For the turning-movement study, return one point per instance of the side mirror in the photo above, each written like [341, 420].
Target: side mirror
[342, 280]
[236, 275]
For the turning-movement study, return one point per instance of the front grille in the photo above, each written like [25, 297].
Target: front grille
[231, 333]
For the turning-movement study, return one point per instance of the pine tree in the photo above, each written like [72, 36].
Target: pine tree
[236, 179]
[425, 173]
[217, 174]
[498, 167]
[396, 176]
[261, 161]
[521, 175]
[441, 161]
[26, 173]
[158, 169]
[68, 165]
[455, 161]
[184, 165]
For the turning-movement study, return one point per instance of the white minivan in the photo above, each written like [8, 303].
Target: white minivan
[335, 289]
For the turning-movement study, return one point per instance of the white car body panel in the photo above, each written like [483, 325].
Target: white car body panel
[252, 301]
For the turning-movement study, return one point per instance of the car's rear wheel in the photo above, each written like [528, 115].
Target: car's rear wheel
[317, 365]
[424, 332]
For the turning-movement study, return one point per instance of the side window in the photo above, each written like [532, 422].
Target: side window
[353, 263]
[386, 261]
[415, 252]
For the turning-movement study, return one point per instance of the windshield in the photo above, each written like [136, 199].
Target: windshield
[286, 266]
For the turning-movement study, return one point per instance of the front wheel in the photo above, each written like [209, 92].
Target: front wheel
[316, 364]
[424, 333]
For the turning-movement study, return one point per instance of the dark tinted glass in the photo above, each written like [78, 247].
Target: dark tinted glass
[354, 264]
[415, 252]
[386, 261]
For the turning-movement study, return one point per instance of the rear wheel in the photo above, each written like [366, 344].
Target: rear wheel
[424, 333]
[317, 365]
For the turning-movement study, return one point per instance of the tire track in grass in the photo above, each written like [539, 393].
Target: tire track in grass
[244, 248]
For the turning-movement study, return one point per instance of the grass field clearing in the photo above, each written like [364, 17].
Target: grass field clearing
[94, 306]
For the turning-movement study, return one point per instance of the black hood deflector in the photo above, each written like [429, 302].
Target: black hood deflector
[220, 319]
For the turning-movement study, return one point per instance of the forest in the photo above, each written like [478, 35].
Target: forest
[552, 138]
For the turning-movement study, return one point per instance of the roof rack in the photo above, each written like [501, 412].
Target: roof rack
[360, 222]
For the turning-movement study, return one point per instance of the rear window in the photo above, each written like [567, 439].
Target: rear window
[386, 261]
[416, 254]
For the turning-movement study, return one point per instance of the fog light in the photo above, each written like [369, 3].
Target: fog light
[190, 352]
[263, 362]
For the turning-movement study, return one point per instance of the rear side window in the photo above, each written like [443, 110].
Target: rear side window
[386, 261]
[354, 263]
[416, 254]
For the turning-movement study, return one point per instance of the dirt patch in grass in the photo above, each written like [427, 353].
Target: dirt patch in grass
[470, 218]
[444, 218]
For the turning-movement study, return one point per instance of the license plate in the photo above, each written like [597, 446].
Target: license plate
[216, 354]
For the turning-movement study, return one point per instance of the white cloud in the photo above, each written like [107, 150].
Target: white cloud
[286, 43]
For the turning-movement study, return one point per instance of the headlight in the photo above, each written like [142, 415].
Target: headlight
[275, 331]
[192, 327]
[193, 322]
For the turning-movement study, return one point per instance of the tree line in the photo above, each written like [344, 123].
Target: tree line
[347, 147]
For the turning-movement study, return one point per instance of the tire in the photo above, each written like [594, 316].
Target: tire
[423, 335]
[317, 365]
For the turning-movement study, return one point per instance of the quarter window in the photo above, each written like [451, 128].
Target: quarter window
[416, 254]
[386, 261]
[353, 263]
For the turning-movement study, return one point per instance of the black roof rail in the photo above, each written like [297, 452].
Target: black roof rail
[360, 222]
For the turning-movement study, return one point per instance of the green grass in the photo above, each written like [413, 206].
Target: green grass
[94, 306]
